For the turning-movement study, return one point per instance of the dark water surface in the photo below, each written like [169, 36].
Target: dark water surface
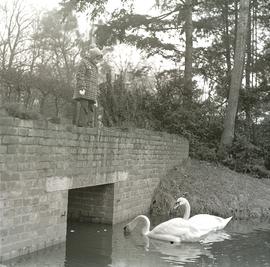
[244, 243]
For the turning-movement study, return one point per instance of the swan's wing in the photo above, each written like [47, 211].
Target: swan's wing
[172, 226]
[180, 228]
[206, 221]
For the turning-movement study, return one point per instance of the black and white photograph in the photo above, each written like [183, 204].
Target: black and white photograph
[134, 133]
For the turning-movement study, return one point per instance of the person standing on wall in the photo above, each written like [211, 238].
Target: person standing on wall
[86, 90]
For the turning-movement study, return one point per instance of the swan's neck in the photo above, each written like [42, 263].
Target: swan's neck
[187, 210]
[146, 224]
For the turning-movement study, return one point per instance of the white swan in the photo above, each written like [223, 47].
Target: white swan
[175, 230]
[202, 222]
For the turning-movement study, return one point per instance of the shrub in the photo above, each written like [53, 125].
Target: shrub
[244, 156]
[19, 111]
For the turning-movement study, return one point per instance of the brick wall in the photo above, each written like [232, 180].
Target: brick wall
[40, 162]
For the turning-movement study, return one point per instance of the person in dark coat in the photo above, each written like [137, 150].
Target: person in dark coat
[86, 90]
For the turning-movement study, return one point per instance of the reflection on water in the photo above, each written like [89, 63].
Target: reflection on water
[181, 253]
[51, 257]
[88, 246]
[92, 245]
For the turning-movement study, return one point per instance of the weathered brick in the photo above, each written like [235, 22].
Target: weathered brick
[8, 130]
[25, 123]
[29, 174]
[3, 149]
[9, 176]
[10, 139]
[25, 219]
[12, 149]
[8, 121]
[23, 131]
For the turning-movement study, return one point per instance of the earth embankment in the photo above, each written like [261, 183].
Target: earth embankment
[214, 190]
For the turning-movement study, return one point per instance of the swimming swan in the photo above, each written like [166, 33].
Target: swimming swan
[175, 230]
[202, 222]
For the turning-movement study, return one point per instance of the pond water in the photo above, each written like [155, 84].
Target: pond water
[244, 243]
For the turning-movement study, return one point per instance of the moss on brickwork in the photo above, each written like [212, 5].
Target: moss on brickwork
[213, 189]
[19, 111]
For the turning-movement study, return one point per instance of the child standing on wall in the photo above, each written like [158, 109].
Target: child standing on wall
[86, 90]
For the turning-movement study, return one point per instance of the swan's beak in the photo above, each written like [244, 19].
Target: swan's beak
[176, 205]
[126, 230]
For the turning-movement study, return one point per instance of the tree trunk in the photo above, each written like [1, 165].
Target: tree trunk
[237, 73]
[249, 53]
[236, 2]
[188, 54]
[227, 45]
[247, 107]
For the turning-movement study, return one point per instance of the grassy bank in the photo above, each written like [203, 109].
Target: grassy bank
[214, 190]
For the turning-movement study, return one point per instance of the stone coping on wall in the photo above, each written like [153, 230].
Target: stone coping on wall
[19, 127]
[60, 183]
